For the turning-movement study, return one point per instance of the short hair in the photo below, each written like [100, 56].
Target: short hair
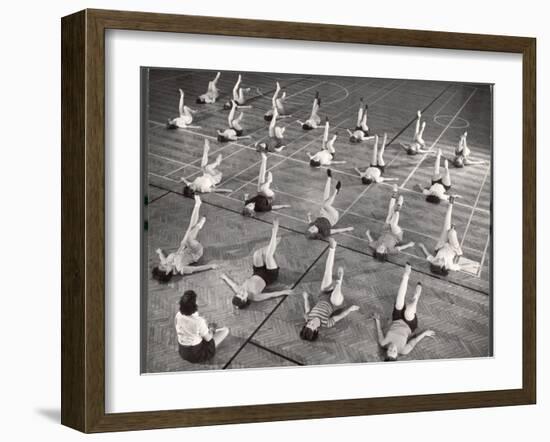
[354, 139]
[308, 334]
[227, 105]
[268, 117]
[434, 199]
[366, 180]
[314, 163]
[188, 303]
[307, 126]
[389, 359]
[171, 125]
[188, 192]
[240, 303]
[200, 100]
[459, 161]
[222, 138]
[160, 275]
[381, 256]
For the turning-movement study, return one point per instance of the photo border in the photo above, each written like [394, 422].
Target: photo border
[83, 219]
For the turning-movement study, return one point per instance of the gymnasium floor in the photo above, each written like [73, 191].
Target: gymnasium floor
[457, 307]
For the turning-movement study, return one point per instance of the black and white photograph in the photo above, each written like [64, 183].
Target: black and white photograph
[300, 220]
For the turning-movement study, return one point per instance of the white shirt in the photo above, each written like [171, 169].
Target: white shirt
[190, 329]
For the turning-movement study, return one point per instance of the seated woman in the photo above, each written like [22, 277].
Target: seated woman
[197, 340]
[212, 93]
[314, 120]
[327, 312]
[447, 250]
[265, 272]
[462, 154]
[210, 178]
[325, 157]
[277, 103]
[185, 119]
[392, 235]
[441, 184]
[373, 173]
[321, 227]
[361, 131]
[235, 130]
[398, 339]
[238, 96]
[263, 201]
[275, 141]
[189, 252]
[418, 145]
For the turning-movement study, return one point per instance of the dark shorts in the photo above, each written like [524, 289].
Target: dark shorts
[268, 275]
[198, 353]
[440, 181]
[438, 270]
[268, 117]
[382, 168]
[239, 132]
[400, 314]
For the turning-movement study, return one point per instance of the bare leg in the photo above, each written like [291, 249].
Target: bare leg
[336, 297]
[236, 89]
[419, 138]
[380, 157]
[410, 309]
[325, 134]
[326, 193]
[374, 158]
[364, 125]
[231, 115]
[180, 107]
[437, 164]
[220, 334]
[329, 266]
[394, 224]
[446, 227]
[192, 222]
[263, 168]
[270, 262]
[205, 151]
[453, 241]
[275, 94]
[401, 293]
[391, 207]
[447, 177]
[360, 113]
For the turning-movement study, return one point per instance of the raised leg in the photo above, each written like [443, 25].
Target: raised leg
[325, 134]
[205, 151]
[394, 224]
[231, 115]
[437, 164]
[380, 157]
[263, 168]
[443, 237]
[326, 283]
[192, 221]
[447, 177]
[236, 89]
[410, 309]
[402, 291]
[337, 297]
[360, 113]
[180, 106]
[270, 262]
[326, 193]
[374, 157]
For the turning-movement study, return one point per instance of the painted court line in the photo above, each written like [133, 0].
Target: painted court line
[475, 205]
[437, 139]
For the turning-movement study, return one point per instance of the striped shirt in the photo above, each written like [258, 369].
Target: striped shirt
[323, 310]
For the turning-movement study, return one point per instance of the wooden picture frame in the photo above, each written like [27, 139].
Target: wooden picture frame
[83, 219]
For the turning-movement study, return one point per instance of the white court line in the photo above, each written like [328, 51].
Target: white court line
[475, 205]
[437, 139]
[317, 138]
[484, 254]
[163, 177]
